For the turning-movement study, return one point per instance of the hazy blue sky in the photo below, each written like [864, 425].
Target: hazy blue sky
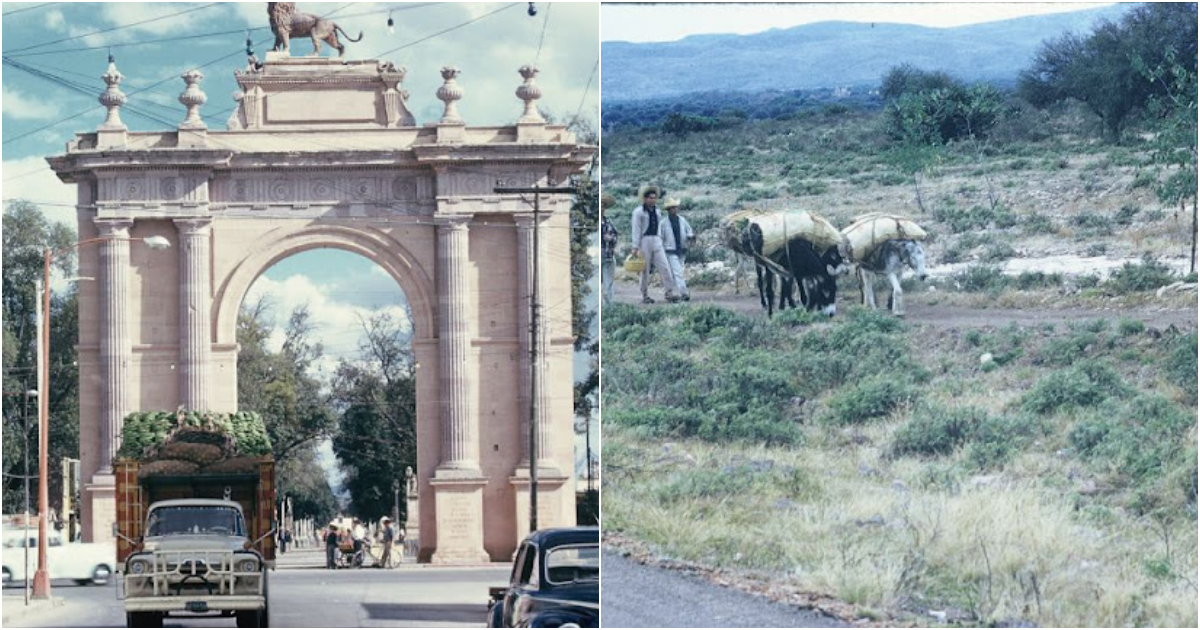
[668, 22]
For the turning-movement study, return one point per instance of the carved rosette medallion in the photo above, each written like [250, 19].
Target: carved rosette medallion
[281, 190]
[322, 189]
[168, 188]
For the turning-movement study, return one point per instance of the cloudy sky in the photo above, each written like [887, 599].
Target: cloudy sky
[668, 22]
[153, 43]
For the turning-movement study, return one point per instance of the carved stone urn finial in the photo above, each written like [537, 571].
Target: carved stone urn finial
[193, 98]
[530, 92]
[450, 93]
[112, 97]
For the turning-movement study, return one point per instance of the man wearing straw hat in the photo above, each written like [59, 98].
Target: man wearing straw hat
[676, 235]
[608, 249]
[646, 238]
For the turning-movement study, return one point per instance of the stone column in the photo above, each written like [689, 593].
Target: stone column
[460, 438]
[525, 262]
[195, 312]
[116, 343]
[458, 481]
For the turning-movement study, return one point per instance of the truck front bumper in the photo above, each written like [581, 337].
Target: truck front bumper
[184, 603]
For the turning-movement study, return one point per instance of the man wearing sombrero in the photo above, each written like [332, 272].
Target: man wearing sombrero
[646, 221]
[677, 236]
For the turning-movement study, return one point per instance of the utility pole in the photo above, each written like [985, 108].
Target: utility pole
[533, 341]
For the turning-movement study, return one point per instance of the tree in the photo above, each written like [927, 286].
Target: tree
[281, 386]
[26, 234]
[1173, 117]
[1098, 69]
[909, 79]
[376, 395]
[302, 479]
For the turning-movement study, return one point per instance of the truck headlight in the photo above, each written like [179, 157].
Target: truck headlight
[247, 565]
[138, 566]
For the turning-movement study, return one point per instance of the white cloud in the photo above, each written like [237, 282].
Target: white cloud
[54, 20]
[337, 323]
[31, 178]
[22, 107]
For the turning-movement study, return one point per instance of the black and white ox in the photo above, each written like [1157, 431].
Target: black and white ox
[889, 259]
[813, 271]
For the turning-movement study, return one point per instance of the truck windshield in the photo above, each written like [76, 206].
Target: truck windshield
[218, 520]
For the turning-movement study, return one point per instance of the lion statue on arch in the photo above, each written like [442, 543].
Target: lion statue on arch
[286, 23]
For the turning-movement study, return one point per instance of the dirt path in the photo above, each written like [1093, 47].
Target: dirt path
[943, 316]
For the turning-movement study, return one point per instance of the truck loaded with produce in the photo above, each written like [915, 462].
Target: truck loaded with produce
[195, 503]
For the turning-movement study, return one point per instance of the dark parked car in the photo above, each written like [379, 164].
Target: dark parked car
[555, 582]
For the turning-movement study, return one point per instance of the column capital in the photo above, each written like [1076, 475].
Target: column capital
[193, 225]
[524, 220]
[113, 227]
[452, 221]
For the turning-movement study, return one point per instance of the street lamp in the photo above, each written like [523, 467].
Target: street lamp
[41, 579]
[396, 508]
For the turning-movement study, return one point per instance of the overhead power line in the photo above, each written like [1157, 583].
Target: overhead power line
[452, 28]
[117, 28]
[22, 9]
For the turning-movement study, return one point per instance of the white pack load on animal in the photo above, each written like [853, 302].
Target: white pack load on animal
[869, 231]
[733, 226]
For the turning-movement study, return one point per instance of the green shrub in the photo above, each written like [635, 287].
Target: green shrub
[1125, 215]
[1028, 280]
[803, 188]
[934, 431]
[998, 438]
[1143, 179]
[1179, 366]
[998, 252]
[871, 398]
[1086, 384]
[1142, 438]
[1129, 327]
[1038, 223]
[978, 278]
[757, 194]
[1147, 275]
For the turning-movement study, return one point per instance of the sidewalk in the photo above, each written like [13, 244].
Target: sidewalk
[15, 609]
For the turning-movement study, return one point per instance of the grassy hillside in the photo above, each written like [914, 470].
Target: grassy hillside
[883, 464]
[1041, 187]
[987, 471]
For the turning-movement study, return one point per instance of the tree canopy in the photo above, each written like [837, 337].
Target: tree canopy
[1099, 69]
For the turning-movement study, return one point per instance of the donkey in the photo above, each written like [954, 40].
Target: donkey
[889, 259]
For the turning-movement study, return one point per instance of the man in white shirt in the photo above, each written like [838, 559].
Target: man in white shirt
[677, 236]
[648, 241]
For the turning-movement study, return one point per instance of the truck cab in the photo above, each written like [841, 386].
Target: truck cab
[195, 557]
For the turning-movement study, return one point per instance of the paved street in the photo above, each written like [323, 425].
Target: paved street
[303, 594]
[636, 596]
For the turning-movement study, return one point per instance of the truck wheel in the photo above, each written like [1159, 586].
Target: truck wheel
[7, 575]
[248, 618]
[143, 620]
[264, 617]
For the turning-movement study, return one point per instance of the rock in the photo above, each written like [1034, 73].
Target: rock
[899, 486]
[940, 615]
[874, 521]
[986, 358]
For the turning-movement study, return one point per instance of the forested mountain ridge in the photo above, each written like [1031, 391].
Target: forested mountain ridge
[830, 54]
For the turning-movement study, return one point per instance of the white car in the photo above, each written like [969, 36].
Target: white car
[86, 563]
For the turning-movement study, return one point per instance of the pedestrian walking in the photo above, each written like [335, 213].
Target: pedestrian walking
[331, 547]
[677, 237]
[649, 244]
[389, 536]
[608, 249]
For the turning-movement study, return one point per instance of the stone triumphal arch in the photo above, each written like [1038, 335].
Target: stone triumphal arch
[325, 153]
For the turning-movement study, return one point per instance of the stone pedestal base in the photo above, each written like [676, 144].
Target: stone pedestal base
[552, 509]
[99, 508]
[458, 508]
[412, 524]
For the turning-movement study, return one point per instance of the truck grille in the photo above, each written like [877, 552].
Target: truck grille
[188, 572]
